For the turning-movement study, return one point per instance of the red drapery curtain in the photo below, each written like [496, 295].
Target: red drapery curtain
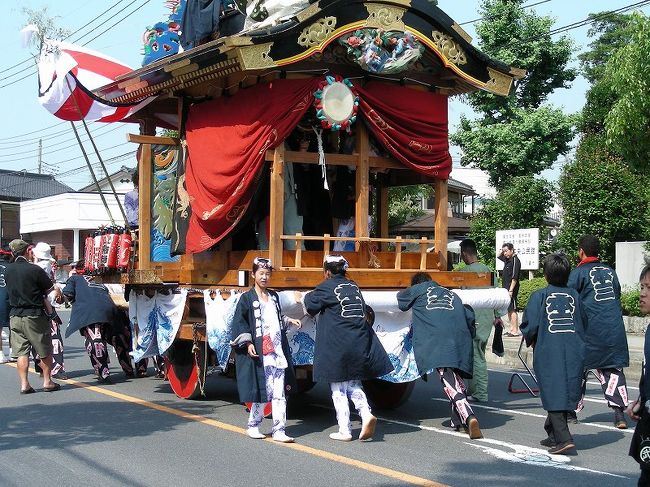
[227, 140]
[410, 124]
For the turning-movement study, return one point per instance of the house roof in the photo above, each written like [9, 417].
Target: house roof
[460, 187]
[425, 224]
[123, 173]
[23, 185]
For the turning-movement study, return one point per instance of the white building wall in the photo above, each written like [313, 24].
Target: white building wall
[629, 262]
[68, 211]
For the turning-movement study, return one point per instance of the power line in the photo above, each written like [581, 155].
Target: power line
[8, 146]
[490, 18]
[65, 38]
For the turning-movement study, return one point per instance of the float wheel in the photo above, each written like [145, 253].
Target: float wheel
[267, 408]
[182, 370]
[387, 395]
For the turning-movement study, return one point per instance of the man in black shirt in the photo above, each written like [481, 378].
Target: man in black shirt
[27, 286]
[510, 276]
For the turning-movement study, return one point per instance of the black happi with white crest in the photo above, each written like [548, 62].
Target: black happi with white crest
[346, 345]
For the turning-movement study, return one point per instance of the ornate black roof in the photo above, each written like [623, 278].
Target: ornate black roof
[315, 39]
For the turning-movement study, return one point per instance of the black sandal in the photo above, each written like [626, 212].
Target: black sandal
[53, 388]
[28, 391]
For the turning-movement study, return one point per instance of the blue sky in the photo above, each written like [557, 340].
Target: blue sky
[24, 121]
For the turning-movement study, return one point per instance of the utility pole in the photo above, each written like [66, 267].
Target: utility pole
[40, 155]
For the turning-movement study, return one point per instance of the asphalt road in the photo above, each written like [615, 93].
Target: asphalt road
[138, 433]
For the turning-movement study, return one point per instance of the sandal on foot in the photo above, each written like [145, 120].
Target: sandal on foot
[30, 390]
[53, 388]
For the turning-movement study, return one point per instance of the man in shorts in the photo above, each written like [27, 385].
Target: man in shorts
[27, 287]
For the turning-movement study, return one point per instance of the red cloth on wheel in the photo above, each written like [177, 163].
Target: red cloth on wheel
[227, 140]
[410, 124]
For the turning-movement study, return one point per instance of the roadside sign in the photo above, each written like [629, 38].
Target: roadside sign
[526, 243]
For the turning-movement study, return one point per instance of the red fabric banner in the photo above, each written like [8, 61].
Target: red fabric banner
[227, 140]
[410, 124]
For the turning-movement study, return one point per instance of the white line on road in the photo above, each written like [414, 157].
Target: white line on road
[534, 415]
[518, 453]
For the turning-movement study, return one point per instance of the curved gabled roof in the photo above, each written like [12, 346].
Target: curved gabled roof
[449, 64]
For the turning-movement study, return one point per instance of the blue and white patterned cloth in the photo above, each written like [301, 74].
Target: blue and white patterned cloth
[154, 321]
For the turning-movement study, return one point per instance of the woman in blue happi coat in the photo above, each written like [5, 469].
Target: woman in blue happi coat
[553, 324]
[347, 350]
[262, 355]
[443, 330]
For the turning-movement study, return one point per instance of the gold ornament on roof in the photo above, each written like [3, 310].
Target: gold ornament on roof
[256, 56]
[385, 17]
[317, 32]
[452, 51]
[499, 83]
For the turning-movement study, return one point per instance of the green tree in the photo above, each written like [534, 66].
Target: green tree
[628, 122]
[518, 135]
[602, 196]
[522, 204]
[404, 202]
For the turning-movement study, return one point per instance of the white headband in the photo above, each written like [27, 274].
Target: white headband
[263, 263]
[337, 259]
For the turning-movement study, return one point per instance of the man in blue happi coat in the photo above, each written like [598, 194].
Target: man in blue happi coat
[553, 323]
[442, 340]
[606, 349]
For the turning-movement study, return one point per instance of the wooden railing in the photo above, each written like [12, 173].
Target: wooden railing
[363, 245]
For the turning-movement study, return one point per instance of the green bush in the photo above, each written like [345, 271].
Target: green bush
[528, 287]
[630, 303]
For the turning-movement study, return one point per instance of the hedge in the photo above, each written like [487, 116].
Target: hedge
[528, 287]
[630, 303]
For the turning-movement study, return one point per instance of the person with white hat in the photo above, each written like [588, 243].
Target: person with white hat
[43, 258]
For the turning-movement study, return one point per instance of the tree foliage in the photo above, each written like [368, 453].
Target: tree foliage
[520, 134]
[603, 196]
[611, 31]
[527, 143]
[522, 204]
[628, 122]
[404, 202]
[521, 39]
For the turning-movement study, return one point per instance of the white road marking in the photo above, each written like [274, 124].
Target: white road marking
[519, 453]
[534, 415]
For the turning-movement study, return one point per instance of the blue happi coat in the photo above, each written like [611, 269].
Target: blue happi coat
[600, 292]
[442, 328]
[347, 347]
[246, 328]
[553, 324]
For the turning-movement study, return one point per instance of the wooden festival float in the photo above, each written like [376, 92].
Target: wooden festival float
[375, 77]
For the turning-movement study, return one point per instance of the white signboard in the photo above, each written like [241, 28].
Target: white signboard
[526, 244]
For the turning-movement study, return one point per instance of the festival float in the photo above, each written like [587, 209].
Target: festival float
[293, 121]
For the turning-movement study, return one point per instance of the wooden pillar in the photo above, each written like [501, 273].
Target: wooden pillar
[362, 186]
[383, 215]
[145, 167]
[276, 212]
[441, 221]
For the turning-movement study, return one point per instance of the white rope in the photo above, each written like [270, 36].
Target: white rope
[321, 156]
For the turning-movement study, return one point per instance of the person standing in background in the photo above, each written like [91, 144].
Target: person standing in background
[131, 202]
[477, 386]
[510, 277]
[4, 303]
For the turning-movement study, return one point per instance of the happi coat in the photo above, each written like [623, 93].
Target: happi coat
[347, 347]
[553, 323]
[91, 303]
[246, 328]
[442, 328]
[600, 292]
